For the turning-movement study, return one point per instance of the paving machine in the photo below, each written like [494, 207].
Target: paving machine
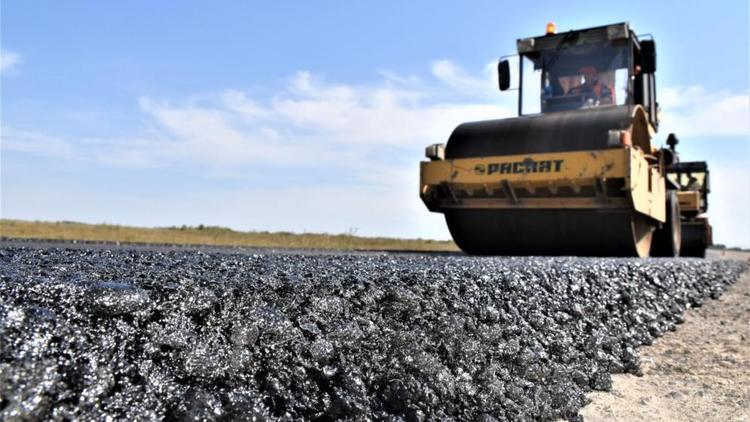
[576, 173]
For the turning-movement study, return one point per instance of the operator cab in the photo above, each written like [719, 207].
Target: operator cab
[581, 77]
[691, 176]
[596, 67]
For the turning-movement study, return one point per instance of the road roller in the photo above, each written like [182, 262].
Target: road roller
[577, 172]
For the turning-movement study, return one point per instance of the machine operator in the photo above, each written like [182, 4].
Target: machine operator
[592, 88]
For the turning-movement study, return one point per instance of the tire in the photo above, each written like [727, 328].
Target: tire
[668, 239]
[696, 237]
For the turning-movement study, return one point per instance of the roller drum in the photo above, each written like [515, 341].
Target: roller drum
[580, 130]
[550, 232]
[535, 231]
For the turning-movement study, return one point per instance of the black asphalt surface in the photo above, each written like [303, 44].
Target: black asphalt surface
[90, 332]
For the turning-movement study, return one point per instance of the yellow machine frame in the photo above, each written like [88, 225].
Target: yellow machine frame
[473, 182]
[689, 200]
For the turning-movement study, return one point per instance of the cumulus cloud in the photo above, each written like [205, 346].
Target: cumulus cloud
[729, 205]
[366, 130]
[122, 152]
[309, 117]
[695, 111]
[480, 86]
[8, 60]
[379, 115]
[35, 143]
[363, 130]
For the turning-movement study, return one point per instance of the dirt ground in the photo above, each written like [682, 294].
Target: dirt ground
[701, 372]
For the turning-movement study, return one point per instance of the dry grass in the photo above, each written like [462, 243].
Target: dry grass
[209, 236]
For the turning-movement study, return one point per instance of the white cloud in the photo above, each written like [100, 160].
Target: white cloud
[363, 130]
[8, 60]
[695, 111]
[360, 129]
[36, 143]
[456, 77]
[378, 115]
[238, 102]
[208, 136]
[126, 153]
[729, 205]
[398, 79]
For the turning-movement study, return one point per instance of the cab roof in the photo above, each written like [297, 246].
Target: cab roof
[592, 35]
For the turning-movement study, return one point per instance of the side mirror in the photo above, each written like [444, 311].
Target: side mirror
[648, 56]
[503, 75]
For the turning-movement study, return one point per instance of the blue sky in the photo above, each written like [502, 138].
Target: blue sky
[313, 116]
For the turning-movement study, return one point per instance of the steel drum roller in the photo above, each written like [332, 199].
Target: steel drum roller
[550, 232]
[579, 130]
[546, 231]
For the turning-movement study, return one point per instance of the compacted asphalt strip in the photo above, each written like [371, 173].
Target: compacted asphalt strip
[95, 331]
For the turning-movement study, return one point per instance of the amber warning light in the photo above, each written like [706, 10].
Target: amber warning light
[551, 28]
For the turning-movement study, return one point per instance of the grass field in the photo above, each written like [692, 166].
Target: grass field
[202, 235]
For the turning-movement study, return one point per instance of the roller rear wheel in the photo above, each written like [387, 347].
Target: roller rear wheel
[696, 237]
[668, 239]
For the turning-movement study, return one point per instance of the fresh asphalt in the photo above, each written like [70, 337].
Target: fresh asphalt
[90, 331]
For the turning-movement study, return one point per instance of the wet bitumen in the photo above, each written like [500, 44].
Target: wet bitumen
[186, 335]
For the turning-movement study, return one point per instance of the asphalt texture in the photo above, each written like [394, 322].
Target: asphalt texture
[91, 333]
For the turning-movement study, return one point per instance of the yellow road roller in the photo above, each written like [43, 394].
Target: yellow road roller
[576, 172]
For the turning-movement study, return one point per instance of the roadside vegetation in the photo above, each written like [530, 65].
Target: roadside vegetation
[209, 235]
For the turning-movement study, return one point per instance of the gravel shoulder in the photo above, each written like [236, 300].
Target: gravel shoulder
[701, 371]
